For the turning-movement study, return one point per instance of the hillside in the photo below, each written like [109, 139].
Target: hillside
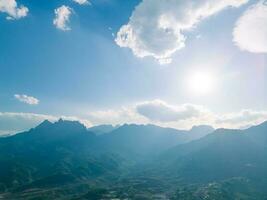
[64, 160]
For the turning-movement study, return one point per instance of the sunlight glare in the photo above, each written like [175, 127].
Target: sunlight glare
[201, 83]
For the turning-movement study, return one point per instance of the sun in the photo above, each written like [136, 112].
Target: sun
[201, 82]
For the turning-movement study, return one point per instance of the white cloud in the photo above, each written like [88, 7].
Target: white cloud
[160, 111]
[11, 8]
[26, 99]
[117, 116]
[62, 18]
[156, 112]
[85, 122]
[17, 122]
[243, 118]
[187, 115]
[82, 2]
[250, 32]
[176, 116]
[157, 28]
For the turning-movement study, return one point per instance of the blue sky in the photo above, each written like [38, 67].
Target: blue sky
[84, 73]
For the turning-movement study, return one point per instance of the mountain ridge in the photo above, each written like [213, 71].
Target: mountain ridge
[146, 158]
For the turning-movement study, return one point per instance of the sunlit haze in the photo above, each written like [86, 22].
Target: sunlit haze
[98, 62]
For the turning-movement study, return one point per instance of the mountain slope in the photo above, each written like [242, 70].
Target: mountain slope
[52, 149]
[148, 140]
[134, 162]
[142, 140]
[221, 155]
[67, 149]
[102, 129]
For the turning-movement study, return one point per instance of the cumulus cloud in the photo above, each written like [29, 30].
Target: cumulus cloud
[26, 99]
[126, 114]
[176, 116]
[82, 2]
[16, 122]
[243, 118]
[250, 32]
[11, 8]
[62, 18]
[157, 28]
[158, 110]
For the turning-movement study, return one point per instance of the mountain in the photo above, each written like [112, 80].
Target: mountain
[65, 160]
[146, 141]
[51, 150]
[49, 135]
[67, 149]
[102, 129]
[221, 155]
[142, 140]
[200, 131]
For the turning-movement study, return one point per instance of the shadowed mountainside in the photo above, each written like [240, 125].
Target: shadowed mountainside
[64, 160]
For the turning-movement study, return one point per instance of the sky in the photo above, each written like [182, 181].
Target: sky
[173, 63]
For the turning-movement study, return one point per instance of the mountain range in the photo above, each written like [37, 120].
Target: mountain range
[65, 160]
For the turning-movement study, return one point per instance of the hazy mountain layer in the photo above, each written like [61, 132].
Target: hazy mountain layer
[64, 160]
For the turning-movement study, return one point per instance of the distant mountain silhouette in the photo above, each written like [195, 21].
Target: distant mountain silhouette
[102, 129]
[133, 161]
[147, 140]
[200, 131]
[223, 154]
